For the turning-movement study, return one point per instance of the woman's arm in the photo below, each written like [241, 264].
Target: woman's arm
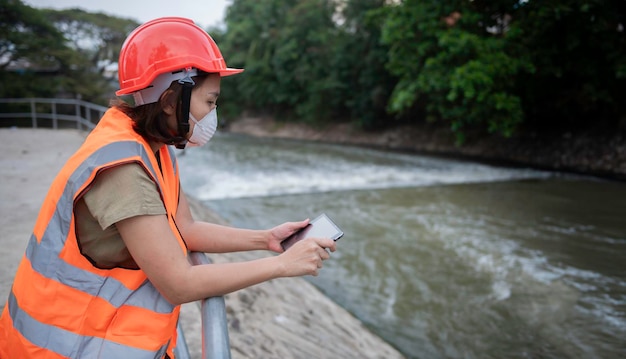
[156, 251]
[214, 238]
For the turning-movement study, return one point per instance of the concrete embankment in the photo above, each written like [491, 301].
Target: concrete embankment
[283, 318]
[597, 153]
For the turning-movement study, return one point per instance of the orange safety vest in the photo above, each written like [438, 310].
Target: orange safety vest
[60, 305]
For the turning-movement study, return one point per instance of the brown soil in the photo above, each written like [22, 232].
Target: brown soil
[599, 153]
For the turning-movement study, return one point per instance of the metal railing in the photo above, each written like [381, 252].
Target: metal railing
[215, 341]
[84, 114]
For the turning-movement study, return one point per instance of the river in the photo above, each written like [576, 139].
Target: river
[441, 258]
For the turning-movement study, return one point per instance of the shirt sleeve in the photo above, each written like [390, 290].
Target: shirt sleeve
[123, 192]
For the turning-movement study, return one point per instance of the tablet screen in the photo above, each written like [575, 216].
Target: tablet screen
[320, 227]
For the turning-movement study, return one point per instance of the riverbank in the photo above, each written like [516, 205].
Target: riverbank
[596, 153]
[283, 318]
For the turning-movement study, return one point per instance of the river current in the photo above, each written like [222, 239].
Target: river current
[442, 258]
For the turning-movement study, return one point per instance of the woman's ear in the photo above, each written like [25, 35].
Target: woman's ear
[168, 102]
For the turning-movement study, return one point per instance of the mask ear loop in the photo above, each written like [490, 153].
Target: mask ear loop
[184, 103]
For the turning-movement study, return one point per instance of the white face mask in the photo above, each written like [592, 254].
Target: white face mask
[204, 129]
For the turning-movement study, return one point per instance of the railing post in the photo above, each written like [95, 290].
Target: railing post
[78, 121]
[215, 342]
[54, 116]
[33, 112]
[52, 112]
[88, 114]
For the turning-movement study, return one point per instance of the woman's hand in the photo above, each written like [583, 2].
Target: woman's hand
[306, 256]
[281, 232]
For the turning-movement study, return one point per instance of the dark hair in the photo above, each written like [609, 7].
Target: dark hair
[150, 121]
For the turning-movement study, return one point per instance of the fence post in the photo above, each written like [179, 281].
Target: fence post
[33, 112]
[78, 117]
[55, 124]
[88, 113]
[215, 342]
[50, 111]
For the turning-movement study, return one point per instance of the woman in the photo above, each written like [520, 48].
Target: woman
[105, 271]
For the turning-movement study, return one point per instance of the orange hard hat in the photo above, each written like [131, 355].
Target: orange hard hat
[165, 46]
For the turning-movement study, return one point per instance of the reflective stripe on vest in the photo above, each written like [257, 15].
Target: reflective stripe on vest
[43, 257]
[64, 342]
[59, 301]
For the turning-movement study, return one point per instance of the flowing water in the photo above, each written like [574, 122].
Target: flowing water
[441, 258]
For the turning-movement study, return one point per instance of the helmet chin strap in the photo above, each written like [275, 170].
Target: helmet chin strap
[184, 104]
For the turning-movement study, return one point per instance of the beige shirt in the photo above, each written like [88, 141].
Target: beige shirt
[118, 193]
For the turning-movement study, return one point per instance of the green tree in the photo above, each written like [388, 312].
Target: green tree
[97, 39]
[285, 47]
[311, 60]
[251, 42]
[33, 53]
[98, 36]
[359, 61]
[493, 65]
[53, 53]
[456, 63]
[302, 62]
[578, 48]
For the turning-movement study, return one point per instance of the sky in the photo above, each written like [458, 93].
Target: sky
[205, 13]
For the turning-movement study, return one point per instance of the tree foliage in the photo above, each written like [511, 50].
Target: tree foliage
[25, 33]
[283, 46]
[360, 59]
[491, 67]
[578, 48]
[457, 63]
[495, 64]
[29, 41]
[96, 39]
[474, 65]
[52, 53]
[97, 36]
[310, 60]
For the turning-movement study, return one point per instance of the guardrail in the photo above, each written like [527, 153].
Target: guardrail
[215, 341]
[84, 114]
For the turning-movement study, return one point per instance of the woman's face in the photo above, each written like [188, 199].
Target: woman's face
[204, 97]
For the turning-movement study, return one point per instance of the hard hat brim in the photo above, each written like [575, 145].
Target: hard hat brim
[230, 71]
